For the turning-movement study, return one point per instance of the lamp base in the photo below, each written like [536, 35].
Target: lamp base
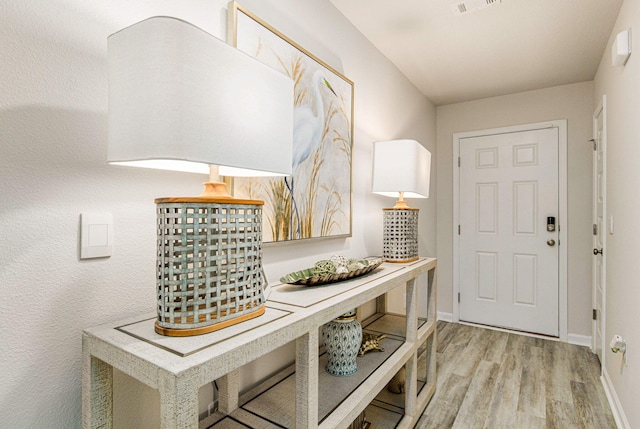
[190, 332]
[400, 235]
[209, 264]
[401, 204]
[215, 190]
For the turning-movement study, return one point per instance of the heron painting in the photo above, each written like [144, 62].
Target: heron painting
[315, 201]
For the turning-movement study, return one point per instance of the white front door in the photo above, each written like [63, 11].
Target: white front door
[508, 238]
[599, 227]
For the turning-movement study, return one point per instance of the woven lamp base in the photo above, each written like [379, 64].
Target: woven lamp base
[400, 234]
[190, 332]
[209, 264]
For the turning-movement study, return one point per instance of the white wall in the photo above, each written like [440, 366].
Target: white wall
[53, 111]
[622, 87]
[572, 102]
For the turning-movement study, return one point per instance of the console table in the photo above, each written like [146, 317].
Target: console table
[178, 366]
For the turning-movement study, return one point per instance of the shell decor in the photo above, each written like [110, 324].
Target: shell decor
[397, 383]
[336, 269]
[371, 342]
[355, 264]
[341, 263]
[324, 268]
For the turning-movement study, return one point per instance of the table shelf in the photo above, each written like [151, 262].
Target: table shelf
[274, 401]
[302, 396]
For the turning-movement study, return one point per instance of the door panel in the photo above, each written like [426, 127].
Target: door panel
[487, 208]
[487, 276]
[525, 269]
[525, 208]
[508, 273]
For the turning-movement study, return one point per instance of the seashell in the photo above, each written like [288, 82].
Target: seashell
[371, 342]
[397, 383]
[353, 266]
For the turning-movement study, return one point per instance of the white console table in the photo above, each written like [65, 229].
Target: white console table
[178, 367]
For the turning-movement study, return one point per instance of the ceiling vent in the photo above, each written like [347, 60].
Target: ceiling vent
[462, 7]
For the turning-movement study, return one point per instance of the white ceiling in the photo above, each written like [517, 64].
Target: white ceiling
[514, 46]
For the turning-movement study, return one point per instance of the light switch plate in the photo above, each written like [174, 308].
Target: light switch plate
[96, 235]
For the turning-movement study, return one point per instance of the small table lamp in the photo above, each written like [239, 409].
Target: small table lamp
[181, 99]
[401, 168]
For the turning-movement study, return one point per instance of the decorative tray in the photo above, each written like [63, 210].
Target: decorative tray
[307, 277]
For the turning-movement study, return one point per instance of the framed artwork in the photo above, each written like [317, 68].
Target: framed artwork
[315, 201]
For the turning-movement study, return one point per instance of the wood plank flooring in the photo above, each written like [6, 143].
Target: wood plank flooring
[491, 379]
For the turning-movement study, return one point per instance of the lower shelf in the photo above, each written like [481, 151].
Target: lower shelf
[272, 403]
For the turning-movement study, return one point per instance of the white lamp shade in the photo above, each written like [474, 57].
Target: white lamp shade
[181, 99]
[401, 166]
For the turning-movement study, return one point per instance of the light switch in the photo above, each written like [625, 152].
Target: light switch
[96, 235]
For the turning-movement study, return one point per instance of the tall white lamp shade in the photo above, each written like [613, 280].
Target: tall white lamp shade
[181, 99]
[401, 168]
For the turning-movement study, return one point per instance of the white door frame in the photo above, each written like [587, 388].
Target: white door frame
[601, 109]
[562, 215]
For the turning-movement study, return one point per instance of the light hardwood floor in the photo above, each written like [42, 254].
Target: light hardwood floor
[490, 379]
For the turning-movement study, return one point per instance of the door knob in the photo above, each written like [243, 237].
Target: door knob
[551, 242]
[597, 251]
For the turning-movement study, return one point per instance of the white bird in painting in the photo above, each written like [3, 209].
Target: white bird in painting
[307, 131]
[307, 126]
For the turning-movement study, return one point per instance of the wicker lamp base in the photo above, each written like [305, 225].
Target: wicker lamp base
[209, 264]
[400, 234]
[187, 332]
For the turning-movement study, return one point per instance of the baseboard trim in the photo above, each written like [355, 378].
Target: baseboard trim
[614, 402]
[579, 340]
[445, 317]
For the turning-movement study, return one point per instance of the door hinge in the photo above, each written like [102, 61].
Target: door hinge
[459, 229]
[459, 162]
[595, 229]
[595, 314]
[595, 144]
[458, 297]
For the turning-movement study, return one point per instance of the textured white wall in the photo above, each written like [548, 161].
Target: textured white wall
[53, 111]
[621, 85]
[572, 102]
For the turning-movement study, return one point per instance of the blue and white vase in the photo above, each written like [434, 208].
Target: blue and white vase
[342, 339]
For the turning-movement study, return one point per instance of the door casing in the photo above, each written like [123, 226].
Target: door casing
[561, 124]
[596, 341]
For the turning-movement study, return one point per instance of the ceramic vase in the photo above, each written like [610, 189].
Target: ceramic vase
[342, 338]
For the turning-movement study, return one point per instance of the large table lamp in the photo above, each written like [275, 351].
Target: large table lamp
[401, 169]
[182, 99]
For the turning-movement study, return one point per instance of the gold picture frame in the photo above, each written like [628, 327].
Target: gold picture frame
[316, 200]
